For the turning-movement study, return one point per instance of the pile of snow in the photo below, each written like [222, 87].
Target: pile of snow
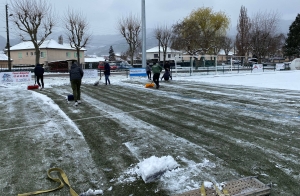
[91, 192]
[153, 168]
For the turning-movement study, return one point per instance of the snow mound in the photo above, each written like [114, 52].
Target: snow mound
[153, 168]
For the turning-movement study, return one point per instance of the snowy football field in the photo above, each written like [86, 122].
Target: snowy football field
[211, 131]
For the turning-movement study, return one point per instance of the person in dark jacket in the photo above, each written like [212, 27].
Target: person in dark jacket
[106, 72]
[167, 75]
[148, 71]
[167, 66]
[76, 75]
[39, 74]
[156, 69]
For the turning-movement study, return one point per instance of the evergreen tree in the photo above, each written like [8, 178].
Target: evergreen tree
[112, 56]
[292, 43]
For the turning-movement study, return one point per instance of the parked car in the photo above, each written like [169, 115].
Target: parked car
[122, 67]
[252, 60]
[233, 61]
[113, 66]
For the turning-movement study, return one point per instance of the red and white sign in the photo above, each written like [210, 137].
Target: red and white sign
[18, 76]
[257, 68]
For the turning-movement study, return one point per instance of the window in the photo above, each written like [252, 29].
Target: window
[67, 54]
[26, 53]
[155, 55]
[20, 55]
[43, 54]
[31, 53]
[169, 56]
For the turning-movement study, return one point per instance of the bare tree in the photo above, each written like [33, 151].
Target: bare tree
[276, 45]
[263, 33]
[130, 29]
[77, 31]
[35, 19]
[218, 42]
[243, 33]
[227, 45]
[163, 34]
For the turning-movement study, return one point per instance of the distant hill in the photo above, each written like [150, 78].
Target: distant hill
[11, 41]
[100, 44]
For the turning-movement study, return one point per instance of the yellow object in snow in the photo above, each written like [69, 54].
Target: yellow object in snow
[149, 85]
[65, 179]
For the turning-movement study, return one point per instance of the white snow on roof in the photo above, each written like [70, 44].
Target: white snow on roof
[26, 45]
[3, 57]
[93, 59]
[222, 52]
[156, 49]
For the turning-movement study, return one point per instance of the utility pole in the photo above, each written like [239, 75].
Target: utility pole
[7, 43]
[143, 34]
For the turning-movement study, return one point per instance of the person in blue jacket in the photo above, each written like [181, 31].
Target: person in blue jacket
[106, 72]
[167, 75]
[76, 75]
[39, 74]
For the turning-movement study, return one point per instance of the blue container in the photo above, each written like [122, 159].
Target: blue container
[70, 98]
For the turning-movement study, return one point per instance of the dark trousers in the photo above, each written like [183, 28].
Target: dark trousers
[75, 84]
[38, 78]
[149, 74]
[107, 79]
[156, 79]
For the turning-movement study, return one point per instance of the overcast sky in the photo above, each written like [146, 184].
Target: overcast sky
[103, 15]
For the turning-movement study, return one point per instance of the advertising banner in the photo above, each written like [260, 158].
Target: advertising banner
[257, 68]
[90, 73]
[280, 66]
[138, 72]
[18, 76]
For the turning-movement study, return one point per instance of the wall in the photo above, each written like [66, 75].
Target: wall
[50, 55]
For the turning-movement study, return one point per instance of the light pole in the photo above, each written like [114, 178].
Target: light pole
[7, 35]
[143, 34]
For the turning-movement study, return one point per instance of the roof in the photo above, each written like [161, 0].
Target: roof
[47, 44]
[156, 49]
[3, 57]
[93, 59]
[222, 52]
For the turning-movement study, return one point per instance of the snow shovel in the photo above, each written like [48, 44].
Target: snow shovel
[97, 82]
[31, 87]
[149, 85]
